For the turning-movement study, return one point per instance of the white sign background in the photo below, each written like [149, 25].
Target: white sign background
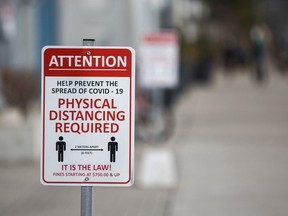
[81, 165]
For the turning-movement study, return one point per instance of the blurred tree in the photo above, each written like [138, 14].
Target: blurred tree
[18, 88]
[238, 15]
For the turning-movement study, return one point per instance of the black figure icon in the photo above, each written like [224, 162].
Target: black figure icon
[112, 147]
[60, 147]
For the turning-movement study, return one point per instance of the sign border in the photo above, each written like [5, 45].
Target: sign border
[130, 180]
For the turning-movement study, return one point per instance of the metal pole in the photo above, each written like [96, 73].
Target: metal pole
[86, 200]
[87, 191]
[88, 42]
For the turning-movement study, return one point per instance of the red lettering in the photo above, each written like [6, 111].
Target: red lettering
[69, 103]
[105, 103]
[58, 127]
[106, 128]
[114, 128]
[98, 128]
[95, 103]
[78, 101]
[53, 115]
[112, 104]
[66, 127]
[61, 101]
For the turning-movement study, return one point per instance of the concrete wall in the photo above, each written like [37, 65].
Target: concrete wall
[20, 138]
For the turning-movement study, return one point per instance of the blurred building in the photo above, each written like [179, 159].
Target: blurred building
[276, 18]
[18, 34]
[28, 25]
[109, 22]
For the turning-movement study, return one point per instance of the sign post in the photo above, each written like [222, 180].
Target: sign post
[87, 191]
[159, 71]
[87, 117]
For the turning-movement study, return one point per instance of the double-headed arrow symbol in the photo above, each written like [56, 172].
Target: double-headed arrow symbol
[86, 149]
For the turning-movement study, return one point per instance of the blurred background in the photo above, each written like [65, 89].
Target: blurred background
[211, 104]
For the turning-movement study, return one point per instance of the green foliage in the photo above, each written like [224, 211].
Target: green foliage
[243, 13]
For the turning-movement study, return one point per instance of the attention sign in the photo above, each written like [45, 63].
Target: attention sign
[87, 116]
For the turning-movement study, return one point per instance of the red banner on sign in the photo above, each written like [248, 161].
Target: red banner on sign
[87, 62]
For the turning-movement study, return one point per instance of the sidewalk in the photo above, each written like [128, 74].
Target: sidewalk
[232, 149]
[231, 153]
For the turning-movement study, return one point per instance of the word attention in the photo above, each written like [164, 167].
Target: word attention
[88, 61]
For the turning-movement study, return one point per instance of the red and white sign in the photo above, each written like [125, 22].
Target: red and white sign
[87, 116]
[159, 60]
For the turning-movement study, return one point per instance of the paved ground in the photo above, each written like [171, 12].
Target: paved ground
[231, 151]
